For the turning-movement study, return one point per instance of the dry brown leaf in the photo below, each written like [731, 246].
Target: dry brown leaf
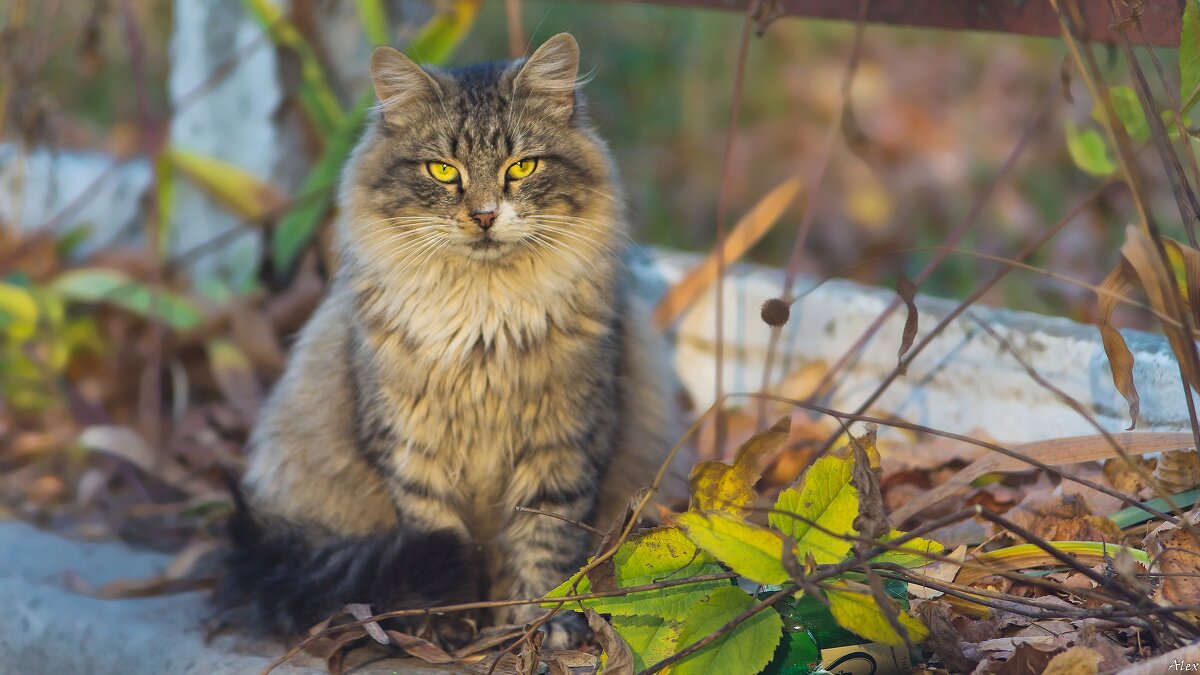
[1030, 658]
[530, 656]
[745, 234]
[938, 570]
[1178, 555]
[944, 640]
[256, 338]
[127, 444]
[1120, 359]
[419, 647]
[1054, 452]
[1156, 279]
[1128, 479]
[1075, 661]
[235, 377]
[620, 659]
[1177, 471]
[723, 487]
[907, 290]
[871, 521]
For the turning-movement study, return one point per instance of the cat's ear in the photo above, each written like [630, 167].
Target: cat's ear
[398, 80]
[551, 73]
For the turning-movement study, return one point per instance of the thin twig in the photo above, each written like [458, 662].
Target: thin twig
[975, 295]
[565, 519]
[810, 206]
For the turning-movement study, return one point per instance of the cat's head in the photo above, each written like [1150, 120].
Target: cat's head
[489, 165]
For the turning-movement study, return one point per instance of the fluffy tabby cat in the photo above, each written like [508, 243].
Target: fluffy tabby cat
[477, 351]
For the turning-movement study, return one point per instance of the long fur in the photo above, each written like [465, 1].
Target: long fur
[452, 375]
[283, 583]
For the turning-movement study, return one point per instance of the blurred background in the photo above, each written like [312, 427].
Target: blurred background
[165, 170]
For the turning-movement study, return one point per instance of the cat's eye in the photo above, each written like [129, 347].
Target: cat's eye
[442, 171]
[521, 169]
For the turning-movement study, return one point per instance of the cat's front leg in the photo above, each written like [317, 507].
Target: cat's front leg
[540, 552]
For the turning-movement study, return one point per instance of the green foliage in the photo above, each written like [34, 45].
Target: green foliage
[746, 649]
[107, 286]
[1088, 150]
[43, 327]
[650, 638]
[752, 551]
[715, 534]
[825, 499]
[314, 93]
[1189, 56]
[297, 226]
[656, 555]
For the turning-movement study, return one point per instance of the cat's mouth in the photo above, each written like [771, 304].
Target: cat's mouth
[485, 243]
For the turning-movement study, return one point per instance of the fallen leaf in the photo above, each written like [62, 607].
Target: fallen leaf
[620, 659]
[361, 611]
[907, 290]
[1054, 452]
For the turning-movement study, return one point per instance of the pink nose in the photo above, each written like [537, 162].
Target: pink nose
[484, 218]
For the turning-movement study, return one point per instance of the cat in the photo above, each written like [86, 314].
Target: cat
[478, 350]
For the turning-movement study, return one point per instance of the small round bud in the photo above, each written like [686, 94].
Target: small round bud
[775, 312]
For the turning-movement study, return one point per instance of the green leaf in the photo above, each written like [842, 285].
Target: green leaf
[657, 555]
[855, 609]
[920, 549]
[1129, 110]
[747, 649]
[650, 638]
[373, 17]
[438, 39]
[825, 497]
[1189, 55]
[300, 222]
[117, 289]
[752, 551]
[18, 312]
[315, 95]
[1088, 150]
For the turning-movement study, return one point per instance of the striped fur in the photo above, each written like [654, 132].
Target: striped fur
[452, 374]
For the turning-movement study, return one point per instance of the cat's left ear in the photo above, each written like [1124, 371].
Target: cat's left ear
[550, 73]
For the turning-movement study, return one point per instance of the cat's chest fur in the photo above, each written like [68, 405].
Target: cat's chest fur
[478, 369]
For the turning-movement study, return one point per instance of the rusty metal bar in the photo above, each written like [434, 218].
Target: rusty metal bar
[1160, 18]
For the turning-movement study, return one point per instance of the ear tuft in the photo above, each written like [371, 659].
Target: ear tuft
[398, 80]
[552, 69]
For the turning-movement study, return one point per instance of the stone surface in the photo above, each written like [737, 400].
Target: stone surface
[963, 382]
[68, 190]
[46, 628]
[236, 121]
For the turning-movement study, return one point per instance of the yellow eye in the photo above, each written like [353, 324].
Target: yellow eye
[443, 172]
[522, 169]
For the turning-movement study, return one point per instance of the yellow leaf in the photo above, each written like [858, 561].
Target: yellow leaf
[720, 487]
[855, 609]
[18, 312]
[752, 551]
[244, 193]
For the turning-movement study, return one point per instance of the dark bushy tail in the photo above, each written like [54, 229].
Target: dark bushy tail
[279, 583]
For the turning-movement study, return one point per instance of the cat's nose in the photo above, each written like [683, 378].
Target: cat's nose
[484, 218]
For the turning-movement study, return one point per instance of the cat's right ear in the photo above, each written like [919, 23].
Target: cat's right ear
[398, 81]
